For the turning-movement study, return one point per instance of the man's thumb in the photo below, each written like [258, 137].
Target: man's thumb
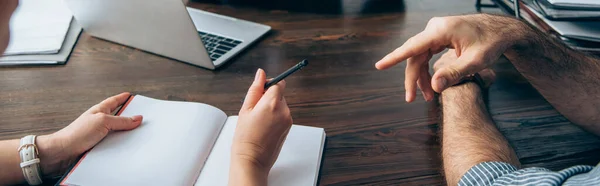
[116, 123]
[453, 74]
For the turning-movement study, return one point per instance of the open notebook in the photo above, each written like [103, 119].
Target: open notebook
[185, 143]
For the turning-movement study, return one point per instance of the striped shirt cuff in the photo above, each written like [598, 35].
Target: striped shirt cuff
[501, 173]
[486, 173]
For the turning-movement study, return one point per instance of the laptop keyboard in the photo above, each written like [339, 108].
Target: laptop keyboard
[217, 46]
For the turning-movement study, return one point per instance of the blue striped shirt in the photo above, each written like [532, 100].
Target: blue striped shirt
[500, 173]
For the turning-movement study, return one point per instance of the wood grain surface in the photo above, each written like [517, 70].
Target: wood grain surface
[373, 136]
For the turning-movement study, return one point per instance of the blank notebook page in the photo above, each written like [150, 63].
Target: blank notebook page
[168, 148]
[298, 163]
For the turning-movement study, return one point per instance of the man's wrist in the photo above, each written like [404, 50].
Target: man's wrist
[511, 33]
[527, 39]
[456, 99]
[467, 90]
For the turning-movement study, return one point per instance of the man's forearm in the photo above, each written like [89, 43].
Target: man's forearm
[568, 79]
[469, 136]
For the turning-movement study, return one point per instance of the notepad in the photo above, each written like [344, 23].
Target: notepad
[51, 59]
[187, 143]
[38, 27]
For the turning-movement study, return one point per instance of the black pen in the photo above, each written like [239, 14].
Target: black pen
[285, 74]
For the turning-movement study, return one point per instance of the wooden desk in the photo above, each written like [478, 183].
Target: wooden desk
[374, 137]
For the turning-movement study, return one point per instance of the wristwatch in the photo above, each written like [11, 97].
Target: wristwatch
[475, 78]
[30, 163]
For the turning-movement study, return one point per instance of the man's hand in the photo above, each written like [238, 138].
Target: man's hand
[264, 122]
[60, 149]
[478, 40]
[449, 58]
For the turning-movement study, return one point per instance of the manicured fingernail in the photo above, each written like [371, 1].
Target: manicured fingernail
[136, 118]
[441, 83]
[257, 75]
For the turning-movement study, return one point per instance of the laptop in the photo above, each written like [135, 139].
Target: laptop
[168, 28]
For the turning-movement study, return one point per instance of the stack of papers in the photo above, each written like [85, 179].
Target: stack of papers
[569, 9]
[575, 3]
[42, 32]
[578, 34]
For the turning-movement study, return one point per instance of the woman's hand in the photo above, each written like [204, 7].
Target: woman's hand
[62, 148]
[263, 124]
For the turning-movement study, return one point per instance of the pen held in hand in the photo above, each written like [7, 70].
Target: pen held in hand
[285, 74]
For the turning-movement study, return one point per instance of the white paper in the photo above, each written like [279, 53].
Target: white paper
[38, 59]
[169, 148]
[583, 30]
[298, 163]
[30, 62]
[38, 27]
[574, 2]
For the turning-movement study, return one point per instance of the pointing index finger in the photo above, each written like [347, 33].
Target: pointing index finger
[416, 45]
